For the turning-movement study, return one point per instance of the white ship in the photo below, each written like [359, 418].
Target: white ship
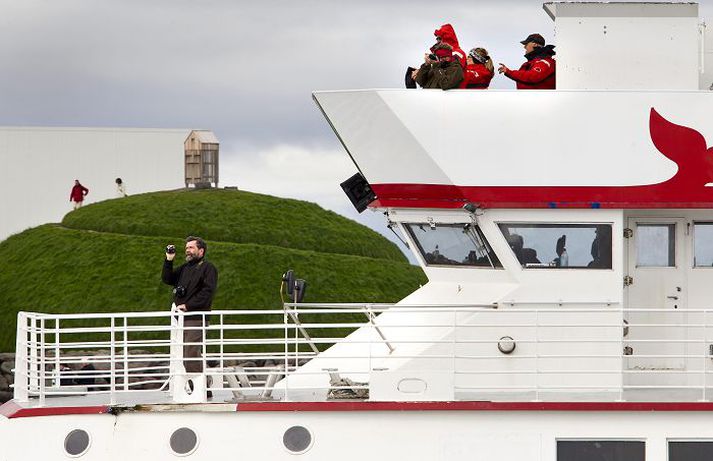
[567, 237]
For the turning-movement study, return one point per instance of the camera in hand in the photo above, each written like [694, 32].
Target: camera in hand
[179, 291]
[170, 249]
[433, 57]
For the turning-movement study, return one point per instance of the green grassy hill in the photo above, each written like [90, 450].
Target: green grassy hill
[107, 257]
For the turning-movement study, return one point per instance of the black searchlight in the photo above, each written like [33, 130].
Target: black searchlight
[358, 191]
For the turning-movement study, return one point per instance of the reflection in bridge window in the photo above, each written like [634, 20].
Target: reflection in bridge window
[560, 246]
[703, 244]
[453, 245]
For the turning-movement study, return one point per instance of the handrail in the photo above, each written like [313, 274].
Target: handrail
[560, 346]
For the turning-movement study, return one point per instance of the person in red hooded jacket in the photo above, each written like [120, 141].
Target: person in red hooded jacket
[478, 71]
[77, 194]
[446, 34]
[538, 73]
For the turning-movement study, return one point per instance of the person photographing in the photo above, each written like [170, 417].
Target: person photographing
[194, 284]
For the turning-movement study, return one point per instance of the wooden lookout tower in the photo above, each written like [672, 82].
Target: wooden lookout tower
[201, 149]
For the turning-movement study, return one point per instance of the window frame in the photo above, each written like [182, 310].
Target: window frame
[596, 439]
[422, 254]
[693, 245]
[545, 266]
[681, 440]
[672, 241]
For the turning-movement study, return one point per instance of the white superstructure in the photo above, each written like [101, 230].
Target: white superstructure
[567, 237]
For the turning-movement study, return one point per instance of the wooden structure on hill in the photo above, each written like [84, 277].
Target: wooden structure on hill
[201, 155]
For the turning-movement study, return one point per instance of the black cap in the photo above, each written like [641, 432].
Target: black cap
[534, 38]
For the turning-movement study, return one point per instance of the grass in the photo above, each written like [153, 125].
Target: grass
[237, 217]
[55, 269]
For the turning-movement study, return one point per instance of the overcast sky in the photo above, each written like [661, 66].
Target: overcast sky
[244, 69]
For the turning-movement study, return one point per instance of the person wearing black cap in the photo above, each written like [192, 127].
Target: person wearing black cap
[538, 73]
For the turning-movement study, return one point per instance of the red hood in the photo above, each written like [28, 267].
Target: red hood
[448, 35]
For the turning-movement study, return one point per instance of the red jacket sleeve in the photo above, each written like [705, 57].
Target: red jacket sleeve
[477, 76]
[539, 71]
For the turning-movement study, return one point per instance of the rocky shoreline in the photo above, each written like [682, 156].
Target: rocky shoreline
[7, 377]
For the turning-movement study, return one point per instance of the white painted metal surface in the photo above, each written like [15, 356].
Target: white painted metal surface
[620, 45]
[355, 436]
[425, 137]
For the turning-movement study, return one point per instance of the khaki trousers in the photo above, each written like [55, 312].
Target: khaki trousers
[192, 345]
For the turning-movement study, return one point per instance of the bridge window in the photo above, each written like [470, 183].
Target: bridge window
[453, 245]
[690, 451]
[703, 244]
[560, 246]
[598, 450]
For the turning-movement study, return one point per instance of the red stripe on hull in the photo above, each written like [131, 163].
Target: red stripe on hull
[476, 406]
[12, 409]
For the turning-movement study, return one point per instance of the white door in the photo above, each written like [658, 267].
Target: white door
[656, 264]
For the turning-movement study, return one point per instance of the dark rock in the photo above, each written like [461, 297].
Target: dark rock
[5, 356]
[5, 396]
[10, 378]
[4, 385]
[6, 367]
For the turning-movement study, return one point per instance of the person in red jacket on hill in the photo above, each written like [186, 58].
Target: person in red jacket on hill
[538, 73]
[479, 70]
[446, 34]
[78, 193]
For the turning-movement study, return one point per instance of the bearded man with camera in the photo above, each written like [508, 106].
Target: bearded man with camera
[194, 284]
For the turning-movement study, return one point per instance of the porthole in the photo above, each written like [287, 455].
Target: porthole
[77, 443]
[184, 441]
[297, 440]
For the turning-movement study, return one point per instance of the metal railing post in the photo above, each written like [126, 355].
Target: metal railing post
[57, 352]
[454, 344]
[621, 351]
[372, 319]
[112, 362]
[33, 372]
[705, 353]
[285, 320]
[126, 352]
[41, 375]
[537, 354]
[21, 392]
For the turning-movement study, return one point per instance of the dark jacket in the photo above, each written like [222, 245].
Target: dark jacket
[198, 278]
[443, 75]
[538, 73]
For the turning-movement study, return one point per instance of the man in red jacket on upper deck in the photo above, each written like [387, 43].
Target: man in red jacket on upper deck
[538, 73]
[446, 34]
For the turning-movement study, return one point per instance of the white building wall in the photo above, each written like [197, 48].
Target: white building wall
[39, 166]
[627, 45]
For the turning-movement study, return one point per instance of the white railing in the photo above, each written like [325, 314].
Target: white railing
[380, 352]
